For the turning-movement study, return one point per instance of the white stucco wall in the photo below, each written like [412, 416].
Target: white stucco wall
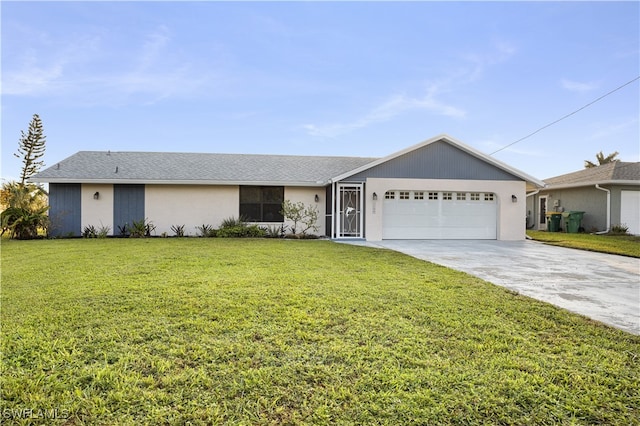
[189, 205]
[307, 196]
[193, 205]
[98, 212]
[511, 216]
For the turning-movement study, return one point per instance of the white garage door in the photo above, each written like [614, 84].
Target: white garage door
[439, 215]
[630, 210]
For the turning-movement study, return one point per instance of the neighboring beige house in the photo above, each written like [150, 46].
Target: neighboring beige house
[608, 194]
[437, 189]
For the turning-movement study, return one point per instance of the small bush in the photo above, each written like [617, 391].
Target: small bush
[89, 231]
[178, 230]
[242, 231]
[275, 231]
[123, 230]
[238, 228]
[621, 229]
[103, 231]
[142, 228]
[206, 231]
[299, 213]
[232, 222]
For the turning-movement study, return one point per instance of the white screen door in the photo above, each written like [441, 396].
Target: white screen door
[349, 217]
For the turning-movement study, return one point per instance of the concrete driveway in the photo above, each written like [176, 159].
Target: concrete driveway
[600, 286]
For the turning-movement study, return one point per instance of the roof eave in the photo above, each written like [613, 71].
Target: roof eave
[178, 182]
[593, 183]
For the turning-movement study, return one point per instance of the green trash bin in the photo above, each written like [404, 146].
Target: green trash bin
[574, 220]
[553, 221]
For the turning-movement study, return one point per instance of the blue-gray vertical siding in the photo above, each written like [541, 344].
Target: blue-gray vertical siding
[128, 206]
[328, 211]
[439, 160]
[65, 209]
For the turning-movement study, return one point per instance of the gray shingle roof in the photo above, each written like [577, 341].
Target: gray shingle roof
[611, 172]
[171, 167]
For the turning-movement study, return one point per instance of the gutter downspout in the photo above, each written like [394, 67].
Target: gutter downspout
[608, 210]
[531, 194]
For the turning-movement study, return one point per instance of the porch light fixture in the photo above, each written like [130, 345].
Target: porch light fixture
[317, 198]
[96, 195]
[375, 196]
[514, 199]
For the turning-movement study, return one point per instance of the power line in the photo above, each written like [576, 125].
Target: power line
[568, 115]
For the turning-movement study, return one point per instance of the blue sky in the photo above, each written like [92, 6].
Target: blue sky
[323, 78]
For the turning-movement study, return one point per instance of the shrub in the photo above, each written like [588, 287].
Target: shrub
[238, 228]
[89, 231]
[275, 231]
[206, 231]
[621, 229]
[242, 231]
[299, 213]
[178, 230]
[142, 228]
[232, 222]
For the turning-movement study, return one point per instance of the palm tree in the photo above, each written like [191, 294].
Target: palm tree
[26, 210]
[601, 160]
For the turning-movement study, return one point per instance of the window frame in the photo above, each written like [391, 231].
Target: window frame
[265, 203]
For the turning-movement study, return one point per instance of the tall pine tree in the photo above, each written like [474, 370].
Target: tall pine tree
[31, 149]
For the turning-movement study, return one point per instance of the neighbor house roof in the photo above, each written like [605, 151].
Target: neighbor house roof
[618, 172]
[193, 168]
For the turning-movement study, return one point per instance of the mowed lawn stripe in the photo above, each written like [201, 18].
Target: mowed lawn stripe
[212, 331]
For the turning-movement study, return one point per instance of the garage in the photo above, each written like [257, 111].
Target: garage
[630, 211]
[432, 214]
[438, 189]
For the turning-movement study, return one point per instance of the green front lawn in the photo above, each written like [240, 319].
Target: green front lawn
[626, 245]
[210, 331]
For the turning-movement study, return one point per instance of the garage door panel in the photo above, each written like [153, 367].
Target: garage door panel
[630, 210]
[439, 219]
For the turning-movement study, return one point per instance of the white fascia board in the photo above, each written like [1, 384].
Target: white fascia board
[180, 182]
[454, 142]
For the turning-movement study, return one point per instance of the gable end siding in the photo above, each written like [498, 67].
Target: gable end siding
[64, 209]
[439, 160]
[128, 205]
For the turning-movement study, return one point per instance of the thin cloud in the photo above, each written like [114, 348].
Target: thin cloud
[79, 73]
[481, 61]
[472, 70]
[576, 86]
[392, 107]
[614, 129]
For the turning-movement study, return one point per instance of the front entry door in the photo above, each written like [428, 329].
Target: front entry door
[349, 217]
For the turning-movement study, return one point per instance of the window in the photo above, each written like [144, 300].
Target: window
[389, 195]
[461, 196]
[404, 195]
[475, 196]
[447, 196]
[261, 203]
[418, 195]
[488, 197]
[433, 195]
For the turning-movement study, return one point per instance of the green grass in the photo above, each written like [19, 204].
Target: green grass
[211, 331]
[626, 245]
